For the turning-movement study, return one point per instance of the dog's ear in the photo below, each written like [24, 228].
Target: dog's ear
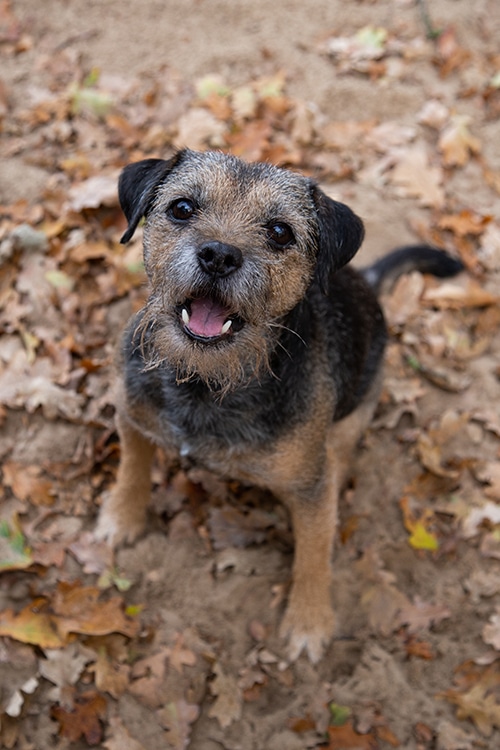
[340, 234]
[137, 186]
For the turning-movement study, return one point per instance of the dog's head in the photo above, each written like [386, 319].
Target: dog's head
[230, 249]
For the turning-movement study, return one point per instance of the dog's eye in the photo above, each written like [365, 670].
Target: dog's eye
[280, 234]
[181, 209]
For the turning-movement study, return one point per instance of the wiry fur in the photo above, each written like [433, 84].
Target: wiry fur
[280, 397]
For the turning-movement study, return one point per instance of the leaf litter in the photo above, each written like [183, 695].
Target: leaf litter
[161, 646]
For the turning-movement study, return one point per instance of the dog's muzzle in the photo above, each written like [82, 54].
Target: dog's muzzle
[205, 318]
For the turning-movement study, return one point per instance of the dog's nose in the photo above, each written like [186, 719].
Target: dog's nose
[219, 259]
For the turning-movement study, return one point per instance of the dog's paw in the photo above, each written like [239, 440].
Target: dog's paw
[119, 523]
[308, 629]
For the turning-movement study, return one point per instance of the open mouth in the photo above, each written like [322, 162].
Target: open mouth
[206, 320]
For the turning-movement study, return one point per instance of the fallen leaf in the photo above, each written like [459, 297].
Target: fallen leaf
[64, 667]
[120, 738]
[79, 609]
[179, 655]
[83, 719]
[430, 454]
[147, 679]
[488, 472]
[28, 483]
[464, 223]
[478, 701]
[33, 624]
[457, 143]
[421, 537]
[14, 553]
[228, 699]
[177, 718]
[489, 512]
[346, 738]
[110, 676]
[100, 190]
[417, 178]
[449, 295]
[422, 615]
[491, 631]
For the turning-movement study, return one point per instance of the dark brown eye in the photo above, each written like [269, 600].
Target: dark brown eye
[280, 234]
[181, 209]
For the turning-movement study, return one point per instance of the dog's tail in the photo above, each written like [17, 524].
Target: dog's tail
[421, 258]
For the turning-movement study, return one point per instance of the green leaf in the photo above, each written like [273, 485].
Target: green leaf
[339, 714]
[14, 553]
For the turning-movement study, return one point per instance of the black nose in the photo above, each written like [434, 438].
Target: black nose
[219, 259]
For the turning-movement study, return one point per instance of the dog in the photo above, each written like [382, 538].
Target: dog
[258, 353]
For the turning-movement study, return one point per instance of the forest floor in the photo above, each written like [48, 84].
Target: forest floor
[173, 641]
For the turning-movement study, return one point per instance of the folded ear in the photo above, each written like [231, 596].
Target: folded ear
[137, 187]
[340, 234]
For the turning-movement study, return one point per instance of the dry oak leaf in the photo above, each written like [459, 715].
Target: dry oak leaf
[491, 631]
[177, 718]
[464, 223]
[31, 625]
[120, 738]
[28, 483]
[471, 524]
[64, 667]
[416, 178]
[453, 296]
[478, 703]
[489, 473]
[78, 609]
[346, 738]
[84, 719]
[110, 676]
[147, 679]
[421, 615]
[228, 703]
[457, 143]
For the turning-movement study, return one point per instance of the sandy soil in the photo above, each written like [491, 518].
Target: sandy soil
[207, 669]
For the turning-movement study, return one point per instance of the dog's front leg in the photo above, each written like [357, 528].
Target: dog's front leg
[309, 621]
[123, 514]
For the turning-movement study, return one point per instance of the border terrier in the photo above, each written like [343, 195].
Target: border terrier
[258, 353]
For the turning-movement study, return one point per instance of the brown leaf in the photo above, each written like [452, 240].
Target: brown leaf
[346, 738]
[421, 615]
[33, 624]
[120, 738]
[477, 701]
[147, 679]
[84, 719]
[466, 222]
[450, 295]
[78, 609]
[252, 140]
[228, 702]
[430, 454]
[489, 473]
[177, 718]
[28, 483]
[457, 144]
[230, 527]
[180, 656]
[110, 676]
[491, 631]
[417, 178]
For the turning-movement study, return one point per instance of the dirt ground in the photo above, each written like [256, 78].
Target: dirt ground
[393, 105]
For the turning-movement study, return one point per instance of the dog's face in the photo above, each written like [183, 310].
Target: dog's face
[230, 249]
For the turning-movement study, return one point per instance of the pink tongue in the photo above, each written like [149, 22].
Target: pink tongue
[207, 317]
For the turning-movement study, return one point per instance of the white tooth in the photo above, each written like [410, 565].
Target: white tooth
[185, 316]
[227, 325]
